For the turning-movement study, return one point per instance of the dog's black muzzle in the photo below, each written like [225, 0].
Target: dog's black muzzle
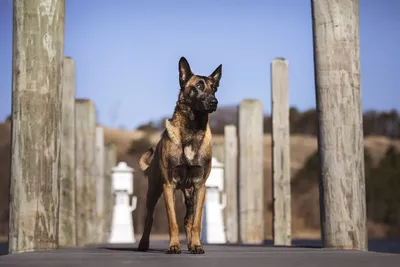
[211, 104]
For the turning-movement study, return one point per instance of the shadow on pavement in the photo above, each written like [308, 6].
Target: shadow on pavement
[316, 244]
[117, 248]
[3, 248]
[374, 245]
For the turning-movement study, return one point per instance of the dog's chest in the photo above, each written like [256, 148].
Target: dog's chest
[189, 170]
[191, 146]
[190, 155]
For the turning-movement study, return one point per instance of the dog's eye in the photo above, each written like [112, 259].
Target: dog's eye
[199, 85]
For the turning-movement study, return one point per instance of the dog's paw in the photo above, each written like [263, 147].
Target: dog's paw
[174, 249]
[197, 249]
[143, 246]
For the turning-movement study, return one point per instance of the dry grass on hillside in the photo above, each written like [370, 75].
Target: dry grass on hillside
[123, 138]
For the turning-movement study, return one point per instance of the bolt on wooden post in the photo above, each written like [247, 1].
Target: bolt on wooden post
[38, 51]
[85, 140]
[66, 225]
[340, 138]
[100, 184]
[231, 182]
[251, 173]
[282, 225]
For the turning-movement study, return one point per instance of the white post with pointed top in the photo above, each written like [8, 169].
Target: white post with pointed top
[122, 230]
[213, 228]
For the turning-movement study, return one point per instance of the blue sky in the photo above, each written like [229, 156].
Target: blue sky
[127, 52]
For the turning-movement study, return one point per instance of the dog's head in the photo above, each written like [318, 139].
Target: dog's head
[199, 91]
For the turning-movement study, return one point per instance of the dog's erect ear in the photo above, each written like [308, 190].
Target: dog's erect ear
[184, 71]
[216, 75]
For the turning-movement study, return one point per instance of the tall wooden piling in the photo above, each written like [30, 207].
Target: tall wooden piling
[67, 213]
[251, 173]
[110, 161]
[282, 225]
[231, 183]
[38, 51]
[340, 138]
[85, 141]
[100, 207]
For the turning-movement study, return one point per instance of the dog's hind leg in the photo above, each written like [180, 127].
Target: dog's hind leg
[169, 196]
[153, 194]
[189, 203]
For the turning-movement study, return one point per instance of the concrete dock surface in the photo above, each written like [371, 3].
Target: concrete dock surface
[215, 255]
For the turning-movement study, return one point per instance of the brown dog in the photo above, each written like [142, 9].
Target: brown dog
[182, 158]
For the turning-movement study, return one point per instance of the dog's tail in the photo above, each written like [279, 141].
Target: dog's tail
[145, 159]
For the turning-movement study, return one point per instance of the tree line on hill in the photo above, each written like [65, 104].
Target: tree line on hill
[374, 123]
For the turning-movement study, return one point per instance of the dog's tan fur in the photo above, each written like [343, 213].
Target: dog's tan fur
[182, 158]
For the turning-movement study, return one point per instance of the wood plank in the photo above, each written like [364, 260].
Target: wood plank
[85, 141]
[251, 173]
[67, 213]
[231, 183]
[282, 225]
[110, 161]
[100, 179]
[38, 41]
[337, 76]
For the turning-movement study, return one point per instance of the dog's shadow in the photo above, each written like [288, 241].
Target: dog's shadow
[127, 248]
[133, 249]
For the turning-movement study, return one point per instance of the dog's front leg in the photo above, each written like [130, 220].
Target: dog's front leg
[198, 196]
[189, 203]
[169, 196]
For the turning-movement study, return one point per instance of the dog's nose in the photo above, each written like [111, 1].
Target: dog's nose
[213, 102]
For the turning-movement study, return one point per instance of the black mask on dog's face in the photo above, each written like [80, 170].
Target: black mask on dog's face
[199, 90]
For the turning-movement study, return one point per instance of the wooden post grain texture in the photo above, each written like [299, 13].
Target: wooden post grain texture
[282, 225]
[100, 184]
[38, 52]
[231, 183]
[67, 215]
[85, 140]
[251, 174]
[340, 139]
[110, 161]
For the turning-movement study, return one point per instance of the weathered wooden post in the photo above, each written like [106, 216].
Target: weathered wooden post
[38, 51]
[85, 140]
[110, 160]
[282, 225]
[340, 139]
[251, 173]
[231, 183]
[100, 204]
[67, 215]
